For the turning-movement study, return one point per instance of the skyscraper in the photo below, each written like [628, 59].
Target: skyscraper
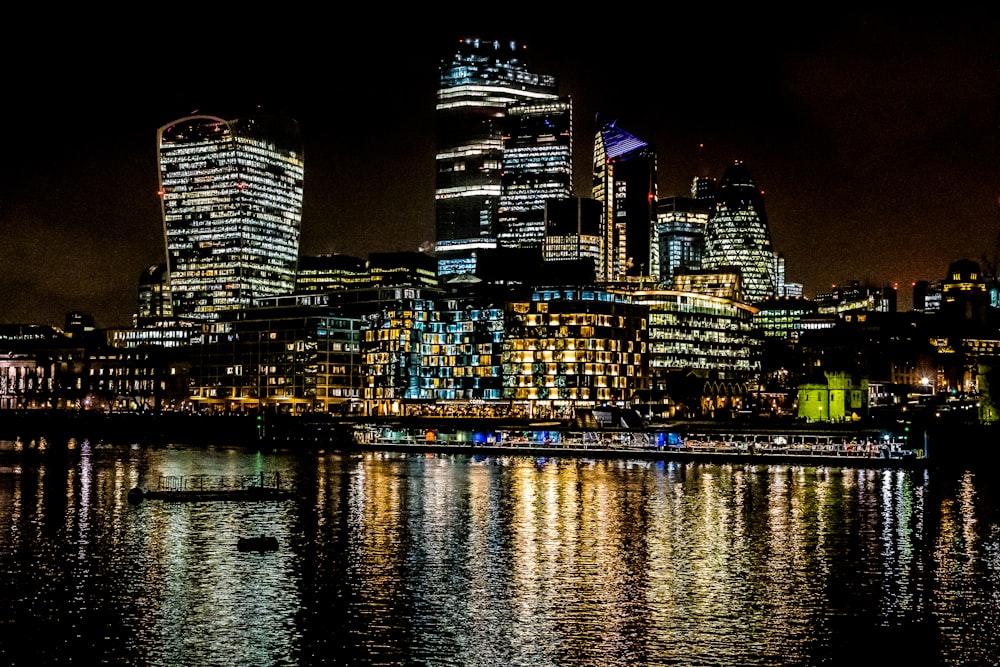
[625, 183]
[537, 166]
[231, 195]
[737, 234]
[678, 236]
[479, 82]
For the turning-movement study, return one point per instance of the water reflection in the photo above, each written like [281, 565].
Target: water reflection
[396, 559]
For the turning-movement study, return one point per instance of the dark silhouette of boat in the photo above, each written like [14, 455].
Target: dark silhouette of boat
[259, 543]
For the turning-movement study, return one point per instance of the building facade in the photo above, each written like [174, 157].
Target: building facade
[479, 81]
[738, 235]
[231, 196]
[678, 237]
[537, 167]
[624, 181]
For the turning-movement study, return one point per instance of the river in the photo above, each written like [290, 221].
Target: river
[443, 559]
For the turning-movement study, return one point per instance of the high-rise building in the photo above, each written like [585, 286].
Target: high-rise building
[537, 167]
[678, 237]
[738, 235]
[479, 82]
[231, 195]
[625, 183]
[572, 230]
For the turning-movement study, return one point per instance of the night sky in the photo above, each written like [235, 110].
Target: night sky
[876, 138]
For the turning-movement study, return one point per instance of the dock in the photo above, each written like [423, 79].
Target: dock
[206, 488]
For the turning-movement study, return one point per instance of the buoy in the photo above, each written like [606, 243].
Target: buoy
[135, 495]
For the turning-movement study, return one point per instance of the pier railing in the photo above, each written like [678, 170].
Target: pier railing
[261, 480]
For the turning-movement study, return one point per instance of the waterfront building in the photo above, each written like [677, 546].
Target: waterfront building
[479, 80]
[426, 353]
[322, 273]
[624, 181]
[737, 233]
[290, 354]
[837, 397]
[704, 352]
[573, 348]
[573, 231]
[537, 167]
[231, 197]
[678, 237]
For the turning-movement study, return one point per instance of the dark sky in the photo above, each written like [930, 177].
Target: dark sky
[875, 137]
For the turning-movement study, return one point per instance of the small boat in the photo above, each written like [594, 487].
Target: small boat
[260, 543]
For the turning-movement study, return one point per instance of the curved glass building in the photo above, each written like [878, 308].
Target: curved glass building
[737, 234]
[231, 195]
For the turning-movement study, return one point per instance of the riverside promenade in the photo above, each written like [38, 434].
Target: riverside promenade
[934, 444]
[669, 442]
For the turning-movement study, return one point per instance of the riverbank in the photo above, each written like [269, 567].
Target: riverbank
[936, 443]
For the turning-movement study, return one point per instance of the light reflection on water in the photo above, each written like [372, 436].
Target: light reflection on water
[396, 559]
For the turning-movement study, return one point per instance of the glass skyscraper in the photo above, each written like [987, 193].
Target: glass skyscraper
[479, 82]
[537, 166]
[737, 234]
[625, 183]
[231, 194]
[678, 236]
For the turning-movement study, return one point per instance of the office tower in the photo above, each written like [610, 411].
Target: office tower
[231, 195]
[573, 231]
[154, 294]
[625, 183]
[537, 166]
[678, 237]
[703, 188]
[737, 233]
[479, 81]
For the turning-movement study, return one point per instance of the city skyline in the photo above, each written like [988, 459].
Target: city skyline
[874, 140]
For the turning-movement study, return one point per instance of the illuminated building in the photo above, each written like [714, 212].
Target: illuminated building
[964, 293]
[430, 349]
[402, 268]
[781, 317]
[838, 397]
[479, 81]
[738, 235]
[625, 184]
[701, 337]
[537, 166]
[154, 294]
[289, 354]
[857, 297]
[725, 282]
[573, 230]
[322, 273]
[678, 236]
[231, 195]
[573, 348]
[927, 296]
